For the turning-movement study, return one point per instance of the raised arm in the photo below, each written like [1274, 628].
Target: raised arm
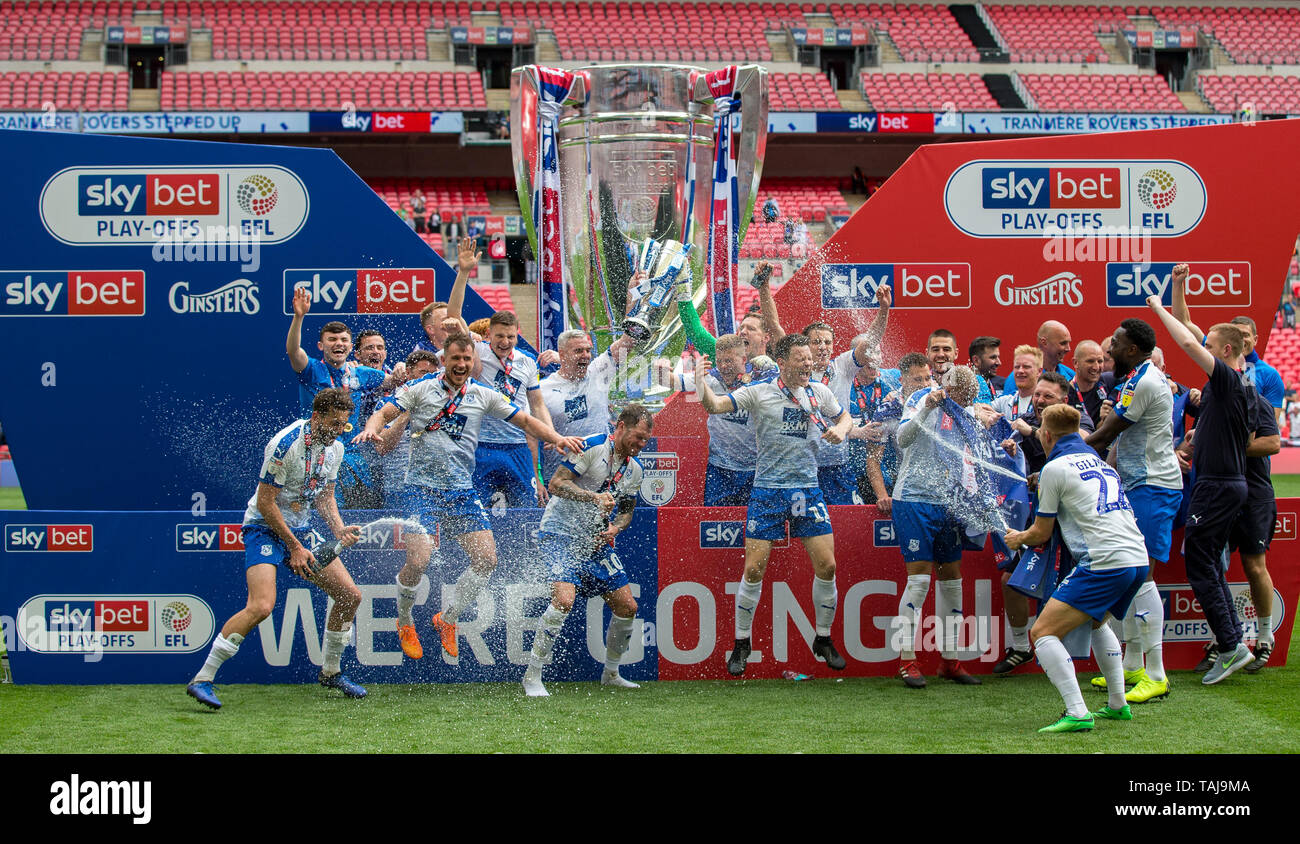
[710, 402]
[767, 306]
[1178, 281]
[375, 424]
[876, 331]
[466, 260]
[293, 343]
[1183, 336]
[545, 433]
[704, 342]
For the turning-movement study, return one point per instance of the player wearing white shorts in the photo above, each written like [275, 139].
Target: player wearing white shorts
[1085, 495]
[790, 417]
[577, 536]
[445, 414]
[577, 394]
[1141, 426]
[299, 467]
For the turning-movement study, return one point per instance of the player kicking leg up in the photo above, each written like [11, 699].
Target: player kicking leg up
[593, 496]
[299, 466]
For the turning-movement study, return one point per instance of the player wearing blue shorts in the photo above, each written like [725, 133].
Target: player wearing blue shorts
[299, 467]
[1141, 428]
[790, 416]
[577, 541]
[445, 415]
[1077, 489]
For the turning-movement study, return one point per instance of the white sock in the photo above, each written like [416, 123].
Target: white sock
[1020, 637]
[1149, 613]
[1055, 660]
[405, 601]
[825, 600]
[467, 589]
[1105, 649]
[222, 649]
[548, 630]
[1132, 640]
[746, 600]
[616, 642]
[1266, 630]
[335, 642]
[947, 607]
[909, 614]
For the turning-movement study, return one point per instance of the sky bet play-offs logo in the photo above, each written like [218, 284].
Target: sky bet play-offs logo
[914, 285]
[130, 206]
[1043, 198]
[71, 293]
[1217, 283]
[373, 291]
[139, 624]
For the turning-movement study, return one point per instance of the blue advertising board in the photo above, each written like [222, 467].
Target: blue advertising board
[140, 296]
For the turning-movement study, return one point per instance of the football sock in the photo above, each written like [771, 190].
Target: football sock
[947, 608]
[548, 630]
[825, 599]
[746, 600]
[405, 601]
[617, 640]
[1149, 612]
[1105, 649]
[223, 648]
[1132, 640]
[1055, 660]
[1020, 638]
[909, 614]
[467, 589]
[335, 642]
[1266, 630]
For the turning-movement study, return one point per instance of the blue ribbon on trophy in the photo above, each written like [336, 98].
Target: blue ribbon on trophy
[667, 266]
[723, 239]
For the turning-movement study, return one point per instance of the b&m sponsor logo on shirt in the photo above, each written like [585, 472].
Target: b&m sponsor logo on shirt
[794, 422]
[115, 623]
[362, 291]
[913, 285]
[23, 538]
[201, 537]
[127, 206]
[1209, 283]
[1007, 198]
[72, 293]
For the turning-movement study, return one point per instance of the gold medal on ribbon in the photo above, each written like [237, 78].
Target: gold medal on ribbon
[296, 506]
[347, 429]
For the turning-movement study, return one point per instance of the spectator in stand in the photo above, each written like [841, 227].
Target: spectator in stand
[858, 181]
[451, 236]
[788, 231]
[1288, 313]
[986, 359]
[435, 223]
[1088, 362]
[418, 210]
[1026, 366]
[406, 217]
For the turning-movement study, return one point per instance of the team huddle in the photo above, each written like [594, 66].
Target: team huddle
[1101, 460]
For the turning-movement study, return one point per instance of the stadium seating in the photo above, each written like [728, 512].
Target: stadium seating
[452, 198]
[801, 92]
[49, 31]
[1267, 94]
[920, 32]
[1143, 92]
[927, 92]
[97, 91]
[1056, 33]
[329, 90]
[496, 295]
[1249, 35]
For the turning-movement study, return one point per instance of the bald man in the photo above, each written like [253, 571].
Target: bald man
[1089, 362]
[1054, 342]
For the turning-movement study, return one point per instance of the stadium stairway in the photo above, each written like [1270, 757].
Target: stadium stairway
[1000, 86]
[979, 34]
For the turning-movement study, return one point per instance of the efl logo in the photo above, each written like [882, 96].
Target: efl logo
[149, 194]
[22, 538]
[101, 616]
[913, 285]
[1284, 528]
[884, 535]
[373, 291]
[1217, 283]
[722, 534]
[1052, 187]
[193, 537]
[72, 293]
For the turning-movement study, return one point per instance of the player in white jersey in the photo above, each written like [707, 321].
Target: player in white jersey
[445, 416]
[1141, 426]
[577, 537]
[577, 394]
[790, 416]
[1077, 489]
[299, 467]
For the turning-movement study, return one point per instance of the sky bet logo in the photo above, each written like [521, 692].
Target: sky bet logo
[883, 534]
[20, 538]
[853, 286]
[148, 194]
[209, 538]
[375, 291]
[1217, 283]
[102, 616]
[72, 293]
[1052, 187]
[722, 534]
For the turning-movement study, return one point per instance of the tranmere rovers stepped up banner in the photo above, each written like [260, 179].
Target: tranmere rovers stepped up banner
[145, 296]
